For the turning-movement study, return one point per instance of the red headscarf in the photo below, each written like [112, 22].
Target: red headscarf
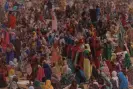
[12, 21]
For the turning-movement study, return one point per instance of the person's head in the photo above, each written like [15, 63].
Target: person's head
[73, 85]
[15, 60]
[24, 45]
[48, 83]
[114, 74]
[31, 87]
[101, 81]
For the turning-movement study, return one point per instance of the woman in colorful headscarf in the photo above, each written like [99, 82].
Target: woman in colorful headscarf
[12, 21]
[40, 73]
[127, 61]
[123, 81]
[47, 70]
[57, 70]
[48, 85]
[80, 76]
[114, 80]
[55, 53]
[92, 32]
[98, 53]
[9, 53]
[87, 62]
[105, 69]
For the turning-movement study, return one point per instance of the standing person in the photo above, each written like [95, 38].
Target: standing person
[40, 73]
[47, 70]
[9, 53]
[17, 45]
[87, 62]
[115, 80]
[12, 20]
[80, 76]
[55, 53]
[97, 12]
[123, 81]
[34, 65]
[28, 71]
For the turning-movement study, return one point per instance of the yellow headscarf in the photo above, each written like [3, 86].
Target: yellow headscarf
[88, 47]
[113, 58]
[11, 72]
[48, 85]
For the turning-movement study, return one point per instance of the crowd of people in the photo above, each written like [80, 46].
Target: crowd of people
[58, 44]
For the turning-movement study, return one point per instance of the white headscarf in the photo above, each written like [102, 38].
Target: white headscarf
[115, 77]
[31, 87]
[11, 63]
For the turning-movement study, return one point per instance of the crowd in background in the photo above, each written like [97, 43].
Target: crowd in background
[55, 44]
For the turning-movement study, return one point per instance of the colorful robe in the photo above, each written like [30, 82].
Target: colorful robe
[12, 21]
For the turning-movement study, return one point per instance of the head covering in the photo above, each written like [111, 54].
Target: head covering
[114, 77]
[31, 87]
[124, 81]
[88, 47]
[11, 63]
[114, 74]
[37, 83]
[15, 60]
[48, 85]
[15, 8]
[113, 58]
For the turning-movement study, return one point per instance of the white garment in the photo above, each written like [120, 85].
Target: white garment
[31, 87]
[114, 77]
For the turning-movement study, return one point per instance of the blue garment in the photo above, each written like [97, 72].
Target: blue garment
[97, 13]
[12, 38]
[9, 56]
[3, 26]
[38, 43]
[80, 77]
[70, 41]
[6, 6]
[123, 81]
[47, 71]
[50, 40]
[27, 51]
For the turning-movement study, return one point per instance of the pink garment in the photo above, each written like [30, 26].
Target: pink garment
[54, 22]
[106, 69]
[6, 40]
[55, 57]
[40, 74]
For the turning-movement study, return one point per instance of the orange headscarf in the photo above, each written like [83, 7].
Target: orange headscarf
[12, 21]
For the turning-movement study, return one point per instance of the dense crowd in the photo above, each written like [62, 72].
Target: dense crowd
[57, 44]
